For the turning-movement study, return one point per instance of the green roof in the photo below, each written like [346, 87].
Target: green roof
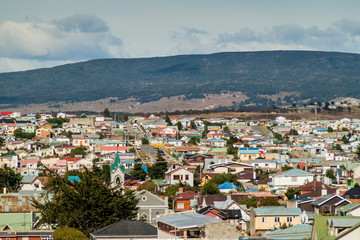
[348, 207]
[17, 221]
[322, 229]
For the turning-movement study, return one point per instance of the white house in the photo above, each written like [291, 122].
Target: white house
[179, 175]
[291, 178]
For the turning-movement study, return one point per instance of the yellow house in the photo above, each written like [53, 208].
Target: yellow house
[268, 218]
[91, 130]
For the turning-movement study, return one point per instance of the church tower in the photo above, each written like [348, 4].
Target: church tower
[117, 173]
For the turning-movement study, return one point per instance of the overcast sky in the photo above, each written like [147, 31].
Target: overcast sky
[45, 33]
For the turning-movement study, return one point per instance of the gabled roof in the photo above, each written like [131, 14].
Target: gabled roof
[323, 199]
[128, 228]
[353, 193]
[295, 172]
[277, 211]
[187, 195]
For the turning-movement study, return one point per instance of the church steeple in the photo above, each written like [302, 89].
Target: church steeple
[116, 163]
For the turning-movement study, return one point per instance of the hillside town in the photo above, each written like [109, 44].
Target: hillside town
[201, 178]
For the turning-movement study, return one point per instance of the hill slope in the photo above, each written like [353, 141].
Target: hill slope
[311, 75]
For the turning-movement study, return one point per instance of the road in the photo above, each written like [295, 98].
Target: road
[263, 131]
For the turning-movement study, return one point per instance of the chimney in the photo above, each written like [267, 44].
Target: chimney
[323, 190]
[337, 191]
[254, 175]
[181, 190]
[4, 190]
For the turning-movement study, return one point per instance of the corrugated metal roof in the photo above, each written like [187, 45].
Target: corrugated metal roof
[281, 210]
[295, 172]
[187, 220]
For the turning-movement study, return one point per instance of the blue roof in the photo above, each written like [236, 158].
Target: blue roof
[228, 185]
[249, 150]
[74, 178]
[145, 168]
[277, 211]
[295, 172]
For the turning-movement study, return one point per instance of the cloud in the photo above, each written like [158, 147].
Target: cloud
[342, 36]
[78, 37]
[191, 41]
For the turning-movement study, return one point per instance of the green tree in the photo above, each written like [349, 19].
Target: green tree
[330, 174]
[292, 193]
[249, 201]
[18, 133]
[106, 113]
[194, 141]
[138, 173]
[293, 132]
[37, 116]
[210, 188]
[338, 147]
[286, 168]
[67, 233]
[168, 121]
[192, 125]
[9, 179]
[225, 177]
[329, 129]
[149, 186]
[357, 152]
[226, 129]
[232, 150]
[77, 151]
[86, 205]
[179, 125]
[205, 132]
[268, 201]
[2, 141]
[344, 139]
[144, 141]
[157, 170]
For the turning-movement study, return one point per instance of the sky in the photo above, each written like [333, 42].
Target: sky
[46, 33]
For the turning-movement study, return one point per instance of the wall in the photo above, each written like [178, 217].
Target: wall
[221, 230]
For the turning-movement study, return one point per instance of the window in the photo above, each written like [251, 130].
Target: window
[186, 177]
[277, 219]
[289, 219]
[293, 179]
[180, 205]
[176, 177]
[264, 220]
[326, 209]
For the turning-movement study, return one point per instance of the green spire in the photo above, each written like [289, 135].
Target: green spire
[116, 163]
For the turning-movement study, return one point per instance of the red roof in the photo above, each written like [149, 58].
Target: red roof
[6, 113]
[72, 159]
[187, 195]
[113, 148]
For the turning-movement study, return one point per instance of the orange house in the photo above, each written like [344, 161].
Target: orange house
[182, 201]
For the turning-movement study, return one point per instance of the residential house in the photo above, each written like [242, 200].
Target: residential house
[268, 218]
[248, 154]
[327, 204]
[150, 206]
[233, 167]
[353, 194]
[315, 189]
[179, 175]
[185, 201]
[291, 178]
[81, 141]
[189, 225]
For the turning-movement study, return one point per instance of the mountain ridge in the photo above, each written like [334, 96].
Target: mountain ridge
[312, 75]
